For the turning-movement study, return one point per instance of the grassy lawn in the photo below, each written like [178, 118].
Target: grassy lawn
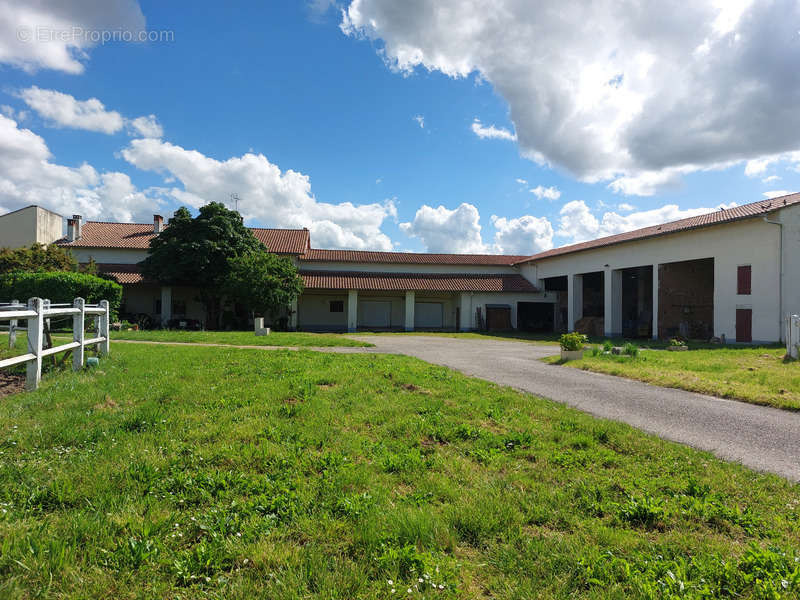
[186, 472]
[521, 336]
[756, 375]
[240, 338]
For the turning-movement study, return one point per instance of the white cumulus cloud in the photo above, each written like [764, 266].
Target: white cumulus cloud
[634, 92]
[444, 230]
[63, 110]
[525, 235]
[577, 223]
[491, 132]
[548, 193]
[29, 176]
[273, 197]
[776, 193]
[54, 34]
[146, 127]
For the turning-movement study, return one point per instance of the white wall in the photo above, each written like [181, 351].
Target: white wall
[790, 217]
[30, 225]
[120, 256]
[403, 268]
[470, 301]
[751, 242]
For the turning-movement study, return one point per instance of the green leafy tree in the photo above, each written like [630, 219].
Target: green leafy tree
[264, 283]
[198, 251]
[38, 258]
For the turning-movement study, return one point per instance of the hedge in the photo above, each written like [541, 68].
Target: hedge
[59, 287]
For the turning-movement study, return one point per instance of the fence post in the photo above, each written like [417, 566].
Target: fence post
[78, 321]
[35, 334]
[12, 328]
[104, 321]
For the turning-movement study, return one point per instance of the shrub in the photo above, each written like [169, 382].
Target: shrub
[595, 350]
[573, 341]
[59, 287]
[608, 345]
[677, 342]
[631, 349]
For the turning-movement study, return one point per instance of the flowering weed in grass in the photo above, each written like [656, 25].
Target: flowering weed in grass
[224, 473]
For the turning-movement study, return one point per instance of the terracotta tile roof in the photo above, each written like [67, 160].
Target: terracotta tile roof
[409, 258]
[95, 234]
[112, 235]
[284, 241]
[124, 274]
[746, 211]
[429, 282]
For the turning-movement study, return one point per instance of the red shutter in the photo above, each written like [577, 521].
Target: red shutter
[743, 280]
[744, 325]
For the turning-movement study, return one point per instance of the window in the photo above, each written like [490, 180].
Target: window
[744, 280]
[337, 306]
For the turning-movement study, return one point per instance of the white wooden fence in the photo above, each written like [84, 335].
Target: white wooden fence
[793, 336]
[39, 311]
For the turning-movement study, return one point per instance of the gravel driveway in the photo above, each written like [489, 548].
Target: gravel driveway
[763, 438]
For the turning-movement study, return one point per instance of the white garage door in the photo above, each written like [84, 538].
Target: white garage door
[375, 313]
[428, 314]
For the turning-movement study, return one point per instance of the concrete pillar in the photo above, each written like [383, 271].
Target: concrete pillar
[293, 316]
[655, 301]
[166, 304]
[465, 308]
[352, 310]
[410, 301]
[574, 300]
[612, 303]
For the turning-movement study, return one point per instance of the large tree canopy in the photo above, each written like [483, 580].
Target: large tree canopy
[213, 252]
[36, 258]
[265, 283]
[196, 251]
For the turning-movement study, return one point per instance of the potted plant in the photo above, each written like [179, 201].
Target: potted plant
[572, 345]
[677, 345]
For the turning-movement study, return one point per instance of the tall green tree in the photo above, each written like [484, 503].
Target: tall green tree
[197, 252]
[37, 257]
[264, 283]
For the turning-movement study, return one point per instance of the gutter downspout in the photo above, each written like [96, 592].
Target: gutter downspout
[780, 276]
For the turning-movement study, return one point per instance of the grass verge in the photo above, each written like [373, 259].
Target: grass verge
[518, 336]
[225, 473]
[241, 338]
[755, 375]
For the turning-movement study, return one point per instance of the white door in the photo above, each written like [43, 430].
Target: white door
[428, 314]
[375, 313]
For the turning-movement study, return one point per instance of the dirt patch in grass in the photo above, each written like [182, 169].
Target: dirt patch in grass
[11, 384]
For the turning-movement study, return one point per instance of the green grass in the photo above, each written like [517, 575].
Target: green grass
[520, 336]
[755, 375]
[240, 338]
[187, 472]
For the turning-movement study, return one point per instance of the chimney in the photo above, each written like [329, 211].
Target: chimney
[78, 228]
[70, 230]
[158, 223]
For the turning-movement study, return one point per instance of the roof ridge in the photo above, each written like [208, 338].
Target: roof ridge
[632, 234]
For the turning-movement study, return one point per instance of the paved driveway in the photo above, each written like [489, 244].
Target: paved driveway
[762, 438]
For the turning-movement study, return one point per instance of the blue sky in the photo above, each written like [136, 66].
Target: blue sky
[385, 150]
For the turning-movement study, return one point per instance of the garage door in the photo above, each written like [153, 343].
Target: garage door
[428, 314]
[375, 313]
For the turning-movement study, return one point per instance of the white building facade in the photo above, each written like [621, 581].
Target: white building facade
[733, 274]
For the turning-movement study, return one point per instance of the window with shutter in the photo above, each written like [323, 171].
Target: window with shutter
[744, 279]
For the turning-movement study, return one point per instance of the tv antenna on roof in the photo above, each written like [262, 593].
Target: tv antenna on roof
[235, 201]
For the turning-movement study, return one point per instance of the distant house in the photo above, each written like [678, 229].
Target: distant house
[733, 273]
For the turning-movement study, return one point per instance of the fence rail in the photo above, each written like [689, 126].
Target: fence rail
[38, 313]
